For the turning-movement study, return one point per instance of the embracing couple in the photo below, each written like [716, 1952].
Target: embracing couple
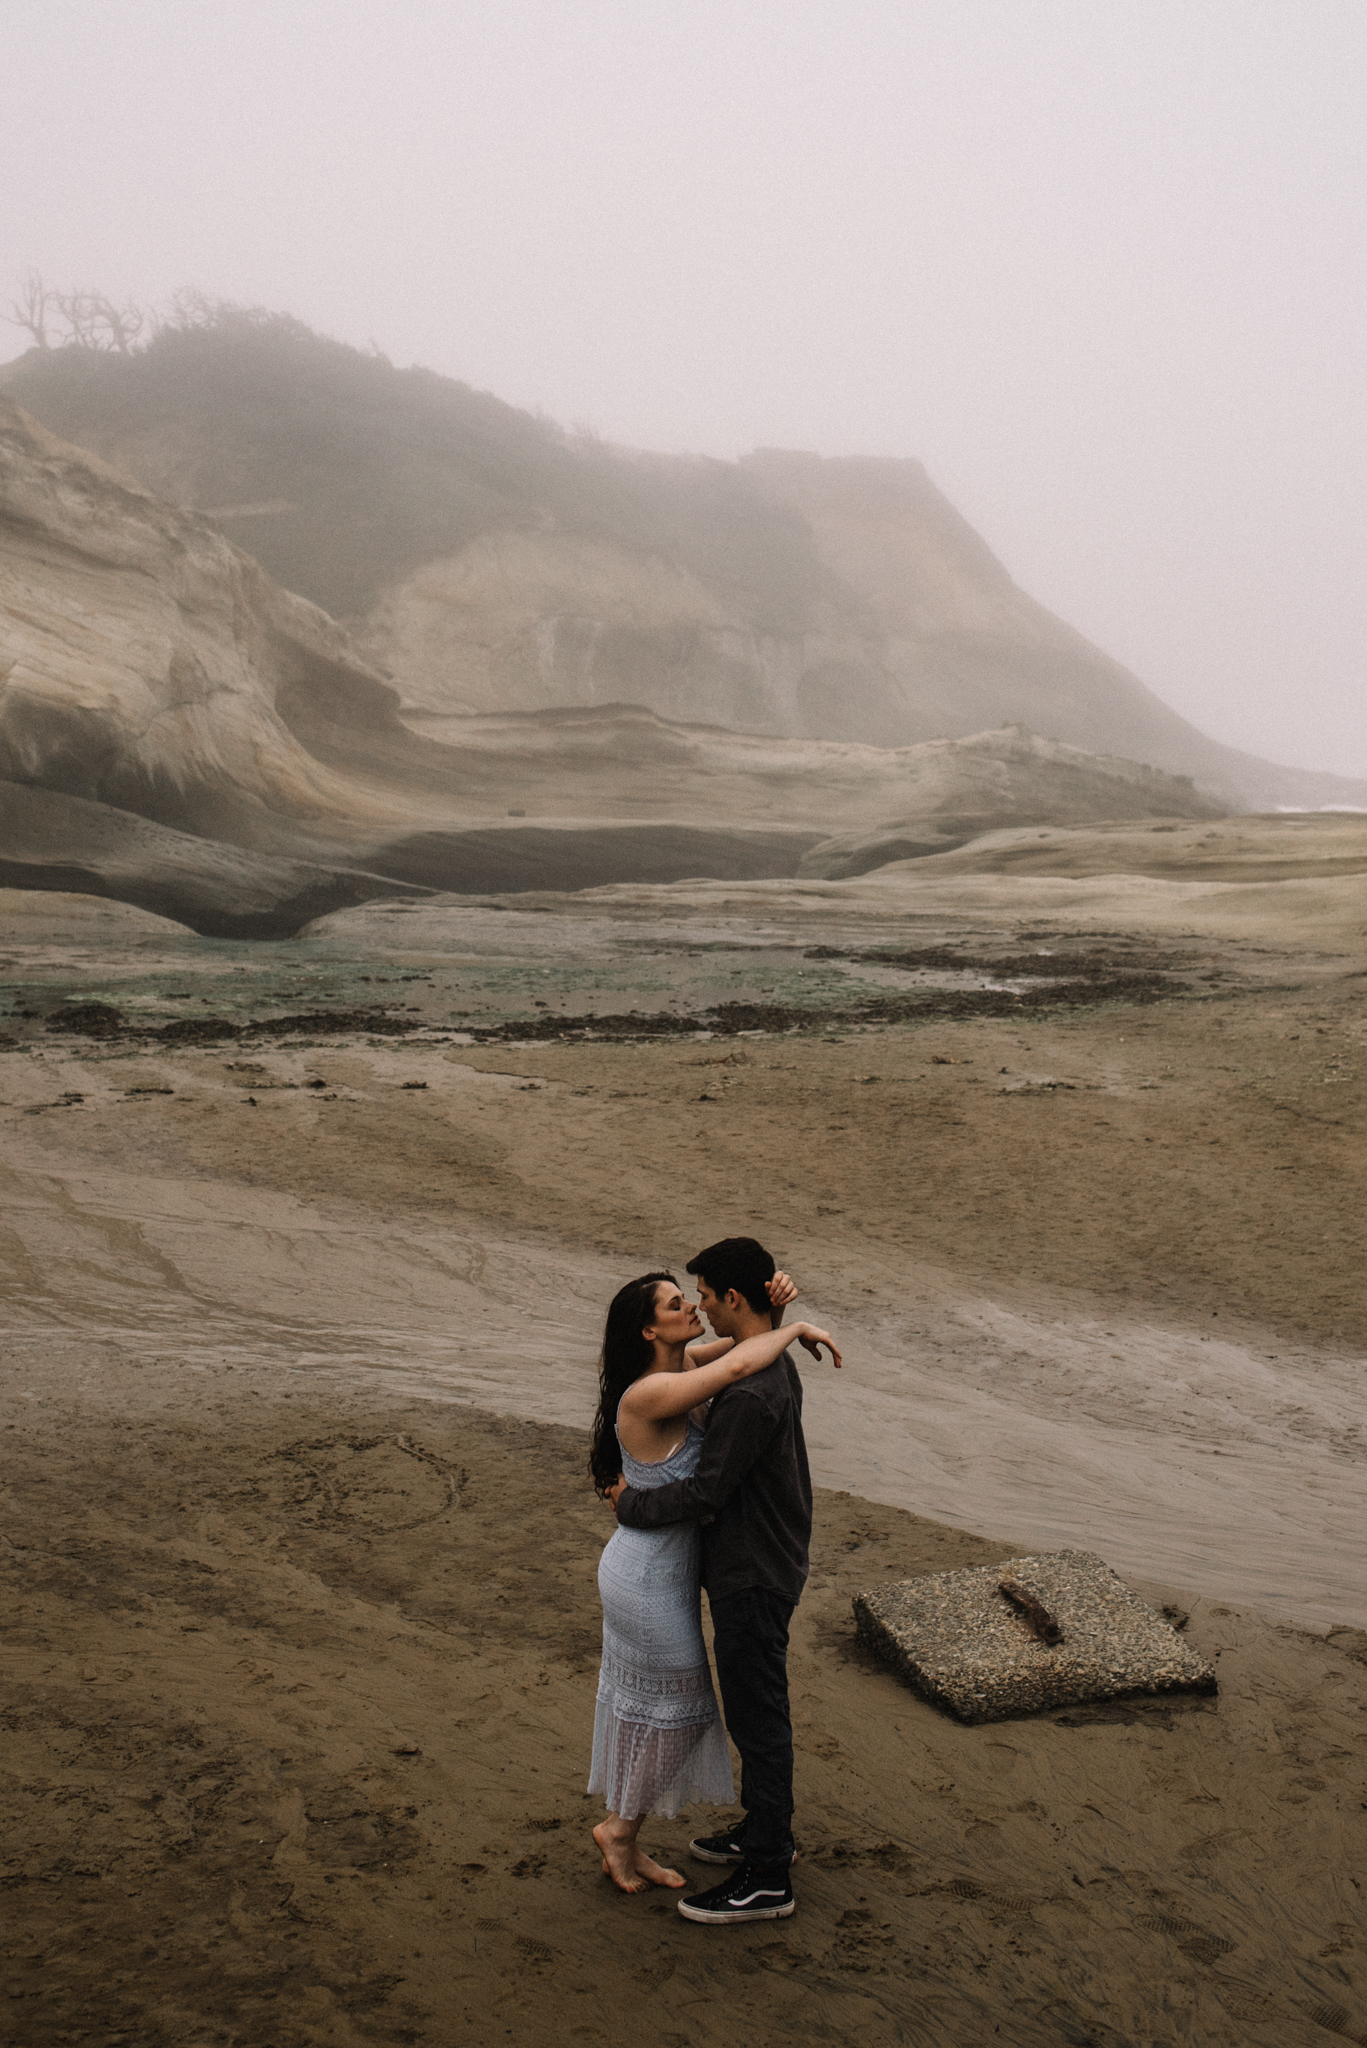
[699, 1447]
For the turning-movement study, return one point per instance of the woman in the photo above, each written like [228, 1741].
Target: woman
[658, 1740]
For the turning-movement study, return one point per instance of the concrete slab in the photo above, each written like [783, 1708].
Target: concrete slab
[1026, 1635]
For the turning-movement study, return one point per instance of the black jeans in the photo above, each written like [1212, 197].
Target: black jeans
[751, 1648]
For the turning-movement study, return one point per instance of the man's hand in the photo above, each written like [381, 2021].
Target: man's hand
[781, 1292]
[619, 1486]
[812, 1339]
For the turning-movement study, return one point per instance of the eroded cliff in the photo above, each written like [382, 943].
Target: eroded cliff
[485, 561]
[177, 730]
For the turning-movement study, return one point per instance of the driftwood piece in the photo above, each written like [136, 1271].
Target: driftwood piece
[1041, 1621]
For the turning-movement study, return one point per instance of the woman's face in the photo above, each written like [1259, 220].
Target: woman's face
[676, 1320]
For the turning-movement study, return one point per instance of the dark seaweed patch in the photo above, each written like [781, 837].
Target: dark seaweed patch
[729, 1019]
[102, 1020]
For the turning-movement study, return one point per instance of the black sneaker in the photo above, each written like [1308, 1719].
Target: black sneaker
[723, 1848]
[752, 1894]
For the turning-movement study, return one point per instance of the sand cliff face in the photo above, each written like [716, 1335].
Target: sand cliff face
[628, 763]
[954, 791]
[910, 630]
[149, 664]
[948, 645]
[533, 621]
[486, 562]
[178, 731]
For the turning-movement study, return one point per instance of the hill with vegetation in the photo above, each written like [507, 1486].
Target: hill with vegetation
[343, 474]
[486, 561]
[178, 731]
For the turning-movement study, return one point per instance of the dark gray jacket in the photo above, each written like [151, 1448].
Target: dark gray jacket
[752, 1492]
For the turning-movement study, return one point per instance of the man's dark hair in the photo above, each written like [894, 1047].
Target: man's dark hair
[739, 1262]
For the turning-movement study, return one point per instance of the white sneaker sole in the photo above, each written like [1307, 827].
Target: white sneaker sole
[740, 1913]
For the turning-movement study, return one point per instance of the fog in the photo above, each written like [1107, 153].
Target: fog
[1100, 268]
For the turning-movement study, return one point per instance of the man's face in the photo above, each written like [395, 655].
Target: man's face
[720, 1310]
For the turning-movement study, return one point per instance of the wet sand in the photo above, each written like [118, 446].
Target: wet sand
[1099, 1273]
[453, 1219]
[300, 1695]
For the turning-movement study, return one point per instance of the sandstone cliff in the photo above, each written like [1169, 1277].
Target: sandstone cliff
[484, 561]
[955, 791]
[177, 730]
[149, 664]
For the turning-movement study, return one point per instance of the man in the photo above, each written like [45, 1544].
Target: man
[752, 1494]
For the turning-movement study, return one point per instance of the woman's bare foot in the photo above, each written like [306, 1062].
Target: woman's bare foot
[657, 1873]
[620, 1858]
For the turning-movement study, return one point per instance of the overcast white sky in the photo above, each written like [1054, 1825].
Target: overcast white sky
[1098, 263]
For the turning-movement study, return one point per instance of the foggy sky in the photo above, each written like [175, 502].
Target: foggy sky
[1098, 263]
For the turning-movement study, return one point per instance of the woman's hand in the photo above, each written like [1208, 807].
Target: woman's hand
[780, 1291]
[657, 1396]
[811, 1339]
[753, 1354]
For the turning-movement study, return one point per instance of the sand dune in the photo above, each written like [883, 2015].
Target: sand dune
[957, 791]
[1328, 916]
[1326, 913]
[623, 761]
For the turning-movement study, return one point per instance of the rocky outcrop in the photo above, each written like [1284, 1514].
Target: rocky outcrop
[485, 562]
[956, 790]
[52, 841]
[909, 629]
[149, 664]
[177, 731]
[951, 646]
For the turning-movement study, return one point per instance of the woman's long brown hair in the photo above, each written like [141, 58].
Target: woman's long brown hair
[626, 1354]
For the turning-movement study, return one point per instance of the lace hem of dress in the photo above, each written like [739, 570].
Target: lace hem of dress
[646, 1769]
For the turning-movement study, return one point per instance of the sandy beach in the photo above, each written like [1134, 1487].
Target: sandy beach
[619, 628]
[302, 1551]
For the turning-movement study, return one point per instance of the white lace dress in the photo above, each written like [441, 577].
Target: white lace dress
[658, 1740]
